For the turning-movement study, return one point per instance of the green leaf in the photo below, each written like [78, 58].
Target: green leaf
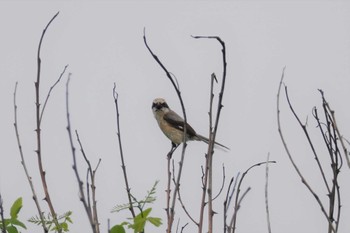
[140, 220]
[16, 222]
[118, 208]
[64, 227]
[15, 208]
[117, 229]
[11, 229]
[155, 221]
[145, 213]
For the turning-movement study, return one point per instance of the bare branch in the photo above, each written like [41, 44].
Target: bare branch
[115, 96]
[239, 199]
[212, 135]
[290, 155]
[3, 229]
[38, 131]
[91, 173]
[336, 128]
[266, 194]
[168, 74]
[83, 199]
[222, 184]
[29, 178]
[49, 93]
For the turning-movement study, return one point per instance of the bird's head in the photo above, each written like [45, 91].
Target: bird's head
[159, 106]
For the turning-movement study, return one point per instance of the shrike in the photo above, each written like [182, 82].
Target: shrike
[172, 125]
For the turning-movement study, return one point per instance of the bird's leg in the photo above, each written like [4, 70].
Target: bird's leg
[173, 148]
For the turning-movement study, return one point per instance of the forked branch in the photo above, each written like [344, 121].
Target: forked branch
[295, 166]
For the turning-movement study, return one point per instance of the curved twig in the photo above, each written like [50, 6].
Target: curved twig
[131, 208]
[29, 178]
[239, 199]
[291, 158]
[83, 199]
[90, 174]
[212, 135]
[168, 74]
[38, 131]
[49, 92]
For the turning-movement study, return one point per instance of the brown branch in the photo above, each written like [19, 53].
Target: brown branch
[180, 200]
[212, 135]
[131, 208]
[336, 161]
[38, 130]
[82, 197]
[168, 189]
[49, 93]
[2, 218]
[168, 74]
[222, 184]
[266, 194]
[303, 126]
[29, 178]
[336, 128]
[91, 173]
[239, 199]
[291, 158]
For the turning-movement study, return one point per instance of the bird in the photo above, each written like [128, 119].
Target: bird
[172, 125]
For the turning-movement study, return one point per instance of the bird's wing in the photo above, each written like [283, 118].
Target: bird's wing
[177, 122]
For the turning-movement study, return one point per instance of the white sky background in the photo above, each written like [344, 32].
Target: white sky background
[103, 44]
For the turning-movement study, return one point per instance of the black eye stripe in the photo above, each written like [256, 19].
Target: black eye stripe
[160, 105]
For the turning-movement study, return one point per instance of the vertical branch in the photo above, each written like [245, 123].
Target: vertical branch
[331, 139]
[3, 229]
[239, 198]
[131, 208]
[303, 180]
[266, 194]
[38, 130]
[208, 163]
[213, 131]
[168, 190]
[177, 185]
[82, 197]
[94, 202]
[29, 178]
[91, 174]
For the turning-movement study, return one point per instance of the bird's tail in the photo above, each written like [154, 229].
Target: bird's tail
[216, 144]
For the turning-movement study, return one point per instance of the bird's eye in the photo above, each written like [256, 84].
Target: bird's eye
[164, 105]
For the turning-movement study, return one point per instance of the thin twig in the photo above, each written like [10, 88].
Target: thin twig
[91, 174]
[168, 189]
[303, 126]
[335, 125]
[131, 208]
[290, 155]
[183, 228]
[184, 144]
[3, 229]
[49, 93]
[38, 131]
[82, 197]
[29, 178]
[267, 194]
[239, 198]
[180, 199]
[213, 131]
[222, 184]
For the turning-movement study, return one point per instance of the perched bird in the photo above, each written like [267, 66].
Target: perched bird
[172, 125]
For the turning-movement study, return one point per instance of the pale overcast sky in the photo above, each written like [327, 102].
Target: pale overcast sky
[102, 43]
